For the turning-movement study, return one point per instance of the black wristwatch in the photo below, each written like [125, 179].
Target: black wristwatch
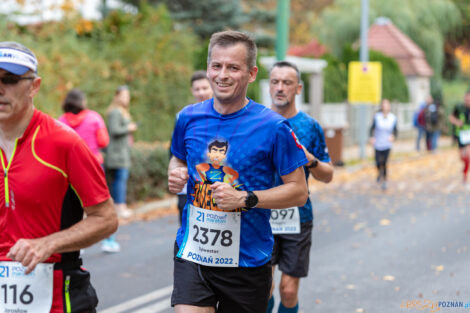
[313, 165]
[251, 200]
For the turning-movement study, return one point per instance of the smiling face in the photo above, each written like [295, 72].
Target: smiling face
[283, 86]
[16, 100]
[229, 73]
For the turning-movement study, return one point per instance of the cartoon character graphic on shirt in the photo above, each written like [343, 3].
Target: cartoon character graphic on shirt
[211, 172]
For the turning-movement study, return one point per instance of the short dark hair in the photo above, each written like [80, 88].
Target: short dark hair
[218, 144]
[198, 75]
[286, 64]
[229, 38]
[74, 101]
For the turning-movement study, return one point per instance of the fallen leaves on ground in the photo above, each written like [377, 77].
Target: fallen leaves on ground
[406, 174]
[384, 222]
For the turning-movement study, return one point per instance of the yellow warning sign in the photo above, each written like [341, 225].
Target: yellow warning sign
[364, 82]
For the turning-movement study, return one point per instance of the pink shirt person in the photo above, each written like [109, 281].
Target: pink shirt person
[87, 123]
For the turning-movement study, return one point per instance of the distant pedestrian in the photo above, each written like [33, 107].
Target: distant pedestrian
[419, 121]
[382, 135]
[87, 123]
[460, 118]
[118, 157]
[433, 118]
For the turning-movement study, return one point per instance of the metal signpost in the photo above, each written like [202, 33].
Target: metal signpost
[364, 82]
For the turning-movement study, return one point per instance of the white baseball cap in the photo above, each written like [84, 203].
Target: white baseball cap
[16, 58]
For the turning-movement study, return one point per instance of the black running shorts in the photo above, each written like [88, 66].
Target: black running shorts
[228, 289]
[292, 251]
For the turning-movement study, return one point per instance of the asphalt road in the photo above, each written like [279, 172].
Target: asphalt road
[372, 250]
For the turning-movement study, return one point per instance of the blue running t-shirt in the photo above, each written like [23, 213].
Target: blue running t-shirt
[310, 135]
[245, 149]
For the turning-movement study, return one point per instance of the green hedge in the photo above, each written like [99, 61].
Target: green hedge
[148, 173]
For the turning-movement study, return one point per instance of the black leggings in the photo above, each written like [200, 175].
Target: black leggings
[381, 158]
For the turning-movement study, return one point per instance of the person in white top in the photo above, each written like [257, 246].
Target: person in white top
[382, 135]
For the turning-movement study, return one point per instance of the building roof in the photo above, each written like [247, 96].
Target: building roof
[312, 49]
[385, 37]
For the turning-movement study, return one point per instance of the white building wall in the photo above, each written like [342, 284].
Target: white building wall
[418, 89]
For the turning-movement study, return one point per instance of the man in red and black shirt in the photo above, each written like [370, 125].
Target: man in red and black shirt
[50, 179]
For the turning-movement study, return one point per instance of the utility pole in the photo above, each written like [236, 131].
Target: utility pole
[104, 9]
[364, 54]
[364, 58]
[282, 28]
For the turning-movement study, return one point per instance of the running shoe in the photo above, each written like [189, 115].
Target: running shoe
[110, 246]
[379, 178]
[384, 185]
[124, 212]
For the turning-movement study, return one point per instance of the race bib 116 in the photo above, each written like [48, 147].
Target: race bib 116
[30, 293]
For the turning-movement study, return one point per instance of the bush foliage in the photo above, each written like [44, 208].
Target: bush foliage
[148, 173]
[144, 51]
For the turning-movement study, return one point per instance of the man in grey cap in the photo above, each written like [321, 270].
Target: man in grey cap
[50, 179]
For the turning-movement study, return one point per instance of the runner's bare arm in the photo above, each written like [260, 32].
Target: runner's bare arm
[292, 193]
[455, 121]
[177, 174]
[323, 171]
[101, 221]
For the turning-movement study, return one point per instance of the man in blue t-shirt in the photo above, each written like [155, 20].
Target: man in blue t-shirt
[223, 247]
[293, 228]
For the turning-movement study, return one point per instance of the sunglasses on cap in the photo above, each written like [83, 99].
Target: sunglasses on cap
[13, 79]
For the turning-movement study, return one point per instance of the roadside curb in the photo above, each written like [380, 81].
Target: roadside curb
[156, 205]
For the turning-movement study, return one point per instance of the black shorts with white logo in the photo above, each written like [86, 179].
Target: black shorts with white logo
[228, 289]
[292, 251]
